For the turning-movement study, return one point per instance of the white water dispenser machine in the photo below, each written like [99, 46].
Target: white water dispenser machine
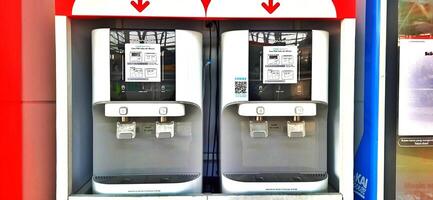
[274, 111]
[147, 112]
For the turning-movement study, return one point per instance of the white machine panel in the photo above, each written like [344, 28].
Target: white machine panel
[277, 109]
[320, 65]
[189, 66]
[144, 110]
[101, 65]
[234, 50]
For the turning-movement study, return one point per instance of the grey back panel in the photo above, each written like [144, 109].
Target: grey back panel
[241, 153]
[81, 83]
[146, 154]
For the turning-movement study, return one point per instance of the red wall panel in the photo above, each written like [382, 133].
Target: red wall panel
[10, 99]
[38, 100]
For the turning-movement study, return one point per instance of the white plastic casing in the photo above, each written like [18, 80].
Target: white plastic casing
[234, 64]
[101, 65]
[188, 66]
[235, 48]
[319, 66]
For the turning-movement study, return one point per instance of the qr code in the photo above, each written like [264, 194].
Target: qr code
[240, 87]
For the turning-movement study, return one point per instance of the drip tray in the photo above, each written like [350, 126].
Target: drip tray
[145, 179]
[278, 177]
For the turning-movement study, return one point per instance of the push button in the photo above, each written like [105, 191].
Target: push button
[260, 110]
[299, 110]
[163, 111]
[123, 110]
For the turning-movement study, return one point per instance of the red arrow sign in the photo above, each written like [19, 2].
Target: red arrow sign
[205, 4]
[140, 6]
[270, 7]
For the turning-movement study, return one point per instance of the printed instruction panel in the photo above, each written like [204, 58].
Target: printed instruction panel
[280, 64]
[416, 88]
[142, 63]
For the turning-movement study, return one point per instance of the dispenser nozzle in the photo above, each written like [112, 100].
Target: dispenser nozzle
[296, 129]
[126, 130]
[164, 129]
[259, 118]
[259, 128]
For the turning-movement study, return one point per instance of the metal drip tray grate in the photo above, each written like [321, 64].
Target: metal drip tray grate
[145, 179]
[278, 177]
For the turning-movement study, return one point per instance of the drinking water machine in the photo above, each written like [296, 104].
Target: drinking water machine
[274, 98]
[147, 112]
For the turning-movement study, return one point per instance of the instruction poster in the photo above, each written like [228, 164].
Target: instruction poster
[142, 63]
[280, 64]
[416, 88]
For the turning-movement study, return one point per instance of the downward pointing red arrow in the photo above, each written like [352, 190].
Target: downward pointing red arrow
[140, 6]
[205, 4]
[270, 7]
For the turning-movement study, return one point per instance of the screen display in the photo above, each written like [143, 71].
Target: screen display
[142, 65]
[280, 65]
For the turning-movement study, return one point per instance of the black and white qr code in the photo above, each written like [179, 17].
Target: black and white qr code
[240, 87]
